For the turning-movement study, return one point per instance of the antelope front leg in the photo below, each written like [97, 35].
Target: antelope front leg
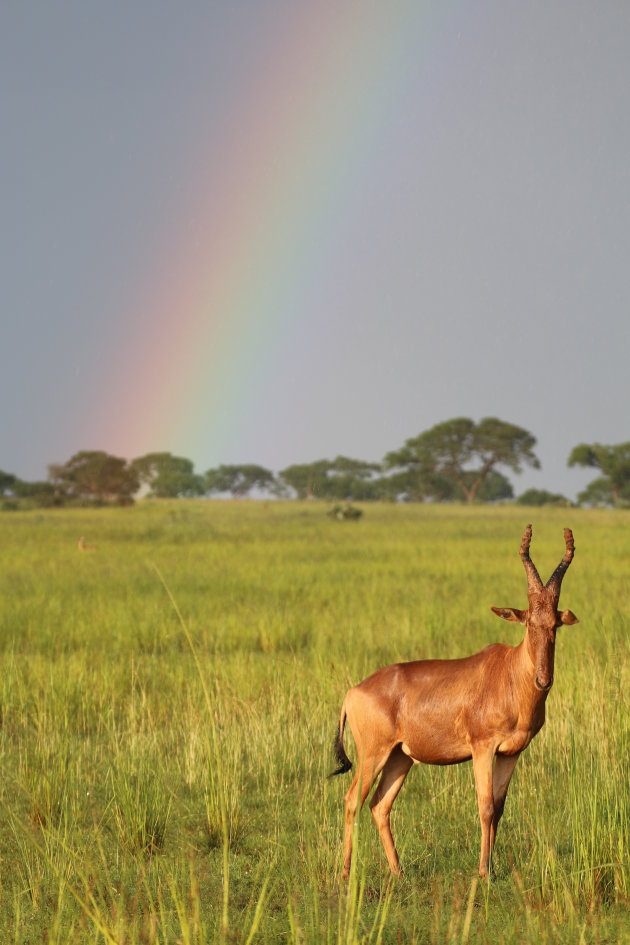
[482, 765]
[503, 770]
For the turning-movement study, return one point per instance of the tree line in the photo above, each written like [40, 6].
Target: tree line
[459, 460]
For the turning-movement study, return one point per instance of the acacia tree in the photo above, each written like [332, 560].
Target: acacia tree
[95, 476]
[348, 478]
[340, 478]
[239, 480]
[308, 480]
[168, 476]
[462, 454]
[613, 486]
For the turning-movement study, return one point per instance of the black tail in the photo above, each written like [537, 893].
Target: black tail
[340, 753]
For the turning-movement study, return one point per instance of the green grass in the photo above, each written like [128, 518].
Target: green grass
[168, 704]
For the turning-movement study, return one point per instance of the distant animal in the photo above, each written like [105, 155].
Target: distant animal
[83, 546]
[345, 513]
[486, 707]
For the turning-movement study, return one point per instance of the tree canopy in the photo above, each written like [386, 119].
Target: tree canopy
[168, 476]
[348, 478]
[613, 486]
[340, 478]
[459, 455]
[239, 480]
[95, 476]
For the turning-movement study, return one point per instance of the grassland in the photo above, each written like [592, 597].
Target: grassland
[169, 700]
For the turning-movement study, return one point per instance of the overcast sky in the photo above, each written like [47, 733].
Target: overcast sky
[274, 232]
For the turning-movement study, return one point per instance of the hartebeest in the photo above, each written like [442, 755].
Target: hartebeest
[487, 707]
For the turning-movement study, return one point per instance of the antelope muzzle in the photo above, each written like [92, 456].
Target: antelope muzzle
[544, 685]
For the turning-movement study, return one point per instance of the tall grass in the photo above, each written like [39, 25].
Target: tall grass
[168, 705]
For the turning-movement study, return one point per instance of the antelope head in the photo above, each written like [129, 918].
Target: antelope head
[542, 618]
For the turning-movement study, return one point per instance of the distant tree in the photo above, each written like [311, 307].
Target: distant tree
[613, 486]
[36, 493]
[420, 485]
[463, 453]
[239, 481]
[415, 483]
[540, 497]
[415, 476]
[495, 488]
[340, 478]
[26, 493]
[95, 476]
[308, 480]
[351, 479]
[7, 482]
[598, 494]
[168, 476]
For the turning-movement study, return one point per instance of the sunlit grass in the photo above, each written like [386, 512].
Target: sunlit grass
[168, 704]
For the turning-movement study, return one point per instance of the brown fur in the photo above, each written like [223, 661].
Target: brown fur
[486, 707]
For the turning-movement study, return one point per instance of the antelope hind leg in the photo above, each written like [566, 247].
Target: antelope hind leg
[367, 772]
[394, 773]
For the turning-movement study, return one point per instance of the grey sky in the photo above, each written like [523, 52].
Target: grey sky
[461, 248]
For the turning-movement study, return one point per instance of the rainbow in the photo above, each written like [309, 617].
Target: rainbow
[221, 311]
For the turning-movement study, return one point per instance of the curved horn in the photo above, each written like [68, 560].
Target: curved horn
[533, 580]
[555, 581]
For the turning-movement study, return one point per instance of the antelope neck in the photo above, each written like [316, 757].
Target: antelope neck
[525, 668]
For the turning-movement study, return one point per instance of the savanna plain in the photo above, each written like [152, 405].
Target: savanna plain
[169, 699]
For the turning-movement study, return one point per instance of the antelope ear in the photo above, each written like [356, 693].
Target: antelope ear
[510, 613]
[567, 617]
